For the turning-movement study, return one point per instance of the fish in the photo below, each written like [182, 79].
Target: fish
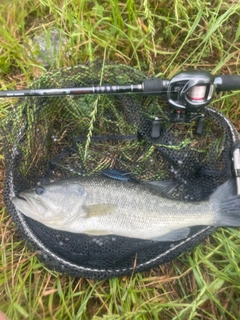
[103, 205]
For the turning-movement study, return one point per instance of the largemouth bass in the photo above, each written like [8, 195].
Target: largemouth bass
[98, 205]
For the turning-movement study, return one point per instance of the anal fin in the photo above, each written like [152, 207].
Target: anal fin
[173, 235]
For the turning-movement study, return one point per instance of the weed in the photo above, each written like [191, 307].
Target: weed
[160, 37]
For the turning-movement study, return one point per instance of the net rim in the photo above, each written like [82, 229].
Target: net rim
[101, 272]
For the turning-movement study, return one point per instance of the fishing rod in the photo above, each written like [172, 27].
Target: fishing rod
[186, 79]
[188, 93]
[183, 82]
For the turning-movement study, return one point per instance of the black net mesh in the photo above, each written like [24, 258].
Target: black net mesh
[55, 138]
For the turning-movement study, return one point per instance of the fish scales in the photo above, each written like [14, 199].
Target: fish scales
[135, 201]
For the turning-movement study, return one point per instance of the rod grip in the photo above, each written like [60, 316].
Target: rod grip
[154, 86]
[227, 82]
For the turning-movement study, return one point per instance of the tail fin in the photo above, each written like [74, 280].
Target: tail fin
[227, 203]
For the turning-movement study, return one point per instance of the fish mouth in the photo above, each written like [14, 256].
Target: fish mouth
[29, 205]
[20, 197]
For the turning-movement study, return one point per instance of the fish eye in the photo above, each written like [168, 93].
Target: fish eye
[39, 190]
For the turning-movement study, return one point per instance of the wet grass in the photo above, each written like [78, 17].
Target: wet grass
[161, 38]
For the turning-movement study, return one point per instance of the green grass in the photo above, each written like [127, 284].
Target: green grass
[160, 37]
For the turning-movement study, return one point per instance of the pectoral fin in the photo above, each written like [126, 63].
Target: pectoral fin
[174, 235]
[101, 209]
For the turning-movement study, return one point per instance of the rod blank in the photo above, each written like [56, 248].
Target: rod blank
[108, 89]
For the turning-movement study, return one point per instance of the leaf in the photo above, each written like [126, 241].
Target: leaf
[20, 310]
